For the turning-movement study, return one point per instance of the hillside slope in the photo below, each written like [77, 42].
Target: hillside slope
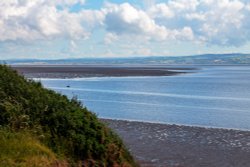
[204, 59]
[63, 125]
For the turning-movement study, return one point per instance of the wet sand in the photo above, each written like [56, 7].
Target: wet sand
[70, 71]
[162, 145]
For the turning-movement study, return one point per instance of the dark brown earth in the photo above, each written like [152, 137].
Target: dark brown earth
[66, 71]
[161, 145]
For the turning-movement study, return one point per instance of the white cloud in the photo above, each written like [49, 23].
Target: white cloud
[148, 3]
[125, 19]
[187, 33]
[40, 19]
[224, 22]
[248, 7]
[68, 2]
[160, 10]
[183, 5]
[195, 16]
[110, 38]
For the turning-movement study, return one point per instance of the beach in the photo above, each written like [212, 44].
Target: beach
[164, 145]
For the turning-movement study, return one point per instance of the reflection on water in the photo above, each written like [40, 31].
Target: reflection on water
[214, 96]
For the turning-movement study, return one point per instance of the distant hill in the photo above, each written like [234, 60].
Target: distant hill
[211, 59]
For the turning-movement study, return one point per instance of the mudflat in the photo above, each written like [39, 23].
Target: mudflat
[162, 145]
[70, 71]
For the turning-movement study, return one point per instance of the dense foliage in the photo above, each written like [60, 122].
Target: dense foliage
[64, 125]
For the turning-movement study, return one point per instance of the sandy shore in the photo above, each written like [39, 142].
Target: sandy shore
[60, 71]
[161, 145]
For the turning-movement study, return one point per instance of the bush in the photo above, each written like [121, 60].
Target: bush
[64, 125]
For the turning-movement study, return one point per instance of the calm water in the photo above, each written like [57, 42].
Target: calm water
[214, 96]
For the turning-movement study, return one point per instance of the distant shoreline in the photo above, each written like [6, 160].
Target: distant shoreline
[98, 71]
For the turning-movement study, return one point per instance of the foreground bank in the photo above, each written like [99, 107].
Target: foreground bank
[63, 129]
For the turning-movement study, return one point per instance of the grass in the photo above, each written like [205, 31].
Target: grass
[20, 149]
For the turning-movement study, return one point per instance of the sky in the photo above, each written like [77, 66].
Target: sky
[56, 29]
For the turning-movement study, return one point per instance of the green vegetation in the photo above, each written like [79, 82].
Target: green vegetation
[52, 126]
[21, 149]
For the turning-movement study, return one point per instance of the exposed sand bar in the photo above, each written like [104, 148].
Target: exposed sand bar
[162, 145]
[70, 71]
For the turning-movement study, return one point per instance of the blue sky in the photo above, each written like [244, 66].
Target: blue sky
[54, 29]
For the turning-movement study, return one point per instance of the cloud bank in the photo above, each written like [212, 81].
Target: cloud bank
[212, 22]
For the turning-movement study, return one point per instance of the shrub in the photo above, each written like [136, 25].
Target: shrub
[64, 125]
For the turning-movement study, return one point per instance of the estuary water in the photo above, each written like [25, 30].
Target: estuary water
[213, 96]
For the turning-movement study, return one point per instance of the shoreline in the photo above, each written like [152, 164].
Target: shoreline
[174, 124]
[155, 144]
[98, 71]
